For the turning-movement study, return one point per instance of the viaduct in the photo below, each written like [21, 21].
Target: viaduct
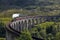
[14, 28]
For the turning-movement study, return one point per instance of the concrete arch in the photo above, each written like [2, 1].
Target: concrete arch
[12, 25]
[20, 26]
[29, 24]
[36, 19]
[47, 19]
[32, 23]
[25, 24]
[15, 26]
[42, 19]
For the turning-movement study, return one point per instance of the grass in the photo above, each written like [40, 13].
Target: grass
[5, 20]
[2, 38]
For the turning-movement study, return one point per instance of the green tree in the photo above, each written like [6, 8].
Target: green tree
[2, 30]
[58, 36]
[25, 36]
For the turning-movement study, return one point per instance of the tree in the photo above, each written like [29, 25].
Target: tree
[2, 30]
[25, 36]
[58, 36]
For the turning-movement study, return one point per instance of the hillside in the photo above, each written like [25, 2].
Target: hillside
[6, 4]
[29, 7]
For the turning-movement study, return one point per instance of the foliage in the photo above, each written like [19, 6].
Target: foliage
[25, 36]
[58, 36]
[2, 39]
[5, 20]
[2, 30]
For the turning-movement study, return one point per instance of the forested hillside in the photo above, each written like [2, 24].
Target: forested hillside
[30, 7]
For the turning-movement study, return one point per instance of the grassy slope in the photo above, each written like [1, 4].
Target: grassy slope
[2, 39]
[5, 20]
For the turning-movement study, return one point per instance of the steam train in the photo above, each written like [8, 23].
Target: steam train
[20, 16]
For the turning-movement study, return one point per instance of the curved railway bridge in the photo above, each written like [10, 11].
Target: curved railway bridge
[14, 28]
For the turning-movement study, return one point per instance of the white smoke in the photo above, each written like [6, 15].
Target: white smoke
[15, 15]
